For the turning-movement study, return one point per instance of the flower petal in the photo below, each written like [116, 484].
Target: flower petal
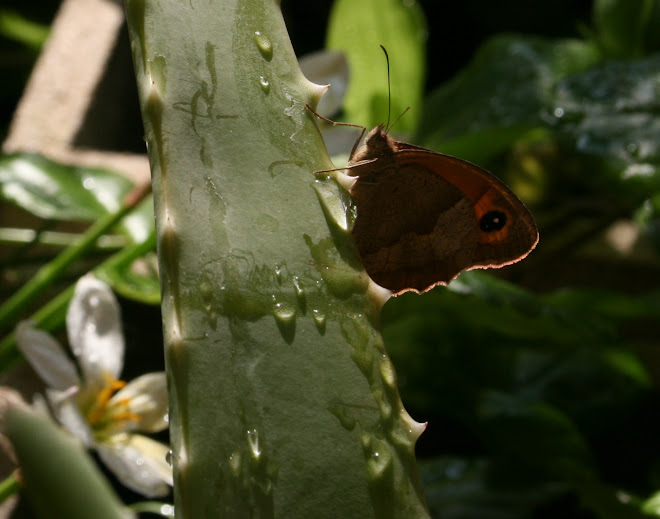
[147, 398]
[46, 357]
[65, 409]
[139, 463]
[93, 323]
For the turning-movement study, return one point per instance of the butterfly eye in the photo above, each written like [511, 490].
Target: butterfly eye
[493, 221]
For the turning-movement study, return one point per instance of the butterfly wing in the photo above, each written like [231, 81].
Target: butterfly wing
[507, 232]
[423, 217]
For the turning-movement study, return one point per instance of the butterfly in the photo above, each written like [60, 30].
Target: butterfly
[423, 217]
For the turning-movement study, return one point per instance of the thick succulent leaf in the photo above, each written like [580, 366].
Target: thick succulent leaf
[283, 402]
[45, 454]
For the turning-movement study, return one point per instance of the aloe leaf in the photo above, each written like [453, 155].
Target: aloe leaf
[283, 401]
[59, 477]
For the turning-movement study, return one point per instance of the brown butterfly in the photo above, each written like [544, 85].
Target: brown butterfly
[423, 217]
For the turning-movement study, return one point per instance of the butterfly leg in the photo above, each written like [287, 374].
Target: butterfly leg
[361, 163]
[337, 123]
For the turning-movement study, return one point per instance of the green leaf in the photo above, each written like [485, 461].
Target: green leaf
[16, 27]
[278, 379]
[535, 433]
[622, 25]
[610, 113]
[648, 217]
[482, 333]
[651, 506]
[459, 488]
[56, 191]
[137, 280]
[500, 95]
[357, 28]
[45, 453]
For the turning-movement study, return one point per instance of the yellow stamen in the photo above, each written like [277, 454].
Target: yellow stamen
[98, 409]
[127, 416]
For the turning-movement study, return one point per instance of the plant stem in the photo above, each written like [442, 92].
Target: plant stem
[53, 270]
[9, 487]
[51, 316]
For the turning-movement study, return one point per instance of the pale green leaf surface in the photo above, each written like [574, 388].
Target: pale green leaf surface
[283, 402]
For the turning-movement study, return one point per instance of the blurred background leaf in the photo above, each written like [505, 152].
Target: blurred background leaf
[358, 28]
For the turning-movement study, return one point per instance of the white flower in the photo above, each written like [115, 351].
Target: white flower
[105, 413]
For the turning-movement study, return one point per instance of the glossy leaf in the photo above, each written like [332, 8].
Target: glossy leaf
[611, 113]
[502, 92]
[55, 191]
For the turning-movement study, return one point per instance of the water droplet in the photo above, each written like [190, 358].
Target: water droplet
[264, 44]
[297, 284]
[253, 442]
[264, 84]
[167, 510]
[378, 456]
[319, 321]
[205, 289]
[267, 223]
[300, 294]
[168, 457]
[278, 273]
[559, 112]
[285, 318]
[89, 183]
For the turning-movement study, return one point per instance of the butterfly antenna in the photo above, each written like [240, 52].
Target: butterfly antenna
[389, 89]
[399, 118]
